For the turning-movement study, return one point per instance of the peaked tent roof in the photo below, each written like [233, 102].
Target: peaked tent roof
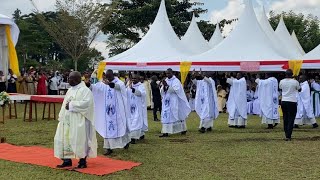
[276, 42]
[216, 38]
[247, 42]
[289, 44]
[295, 39]
[160, 44]
[194, 40]
[14, 28]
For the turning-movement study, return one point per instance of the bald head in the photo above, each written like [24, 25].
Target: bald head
[302, 78]
[74, 78]
[110, 75]
[169, 73]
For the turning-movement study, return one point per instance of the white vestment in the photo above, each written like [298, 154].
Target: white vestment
[111, 113]
[305, 113]
[147, 87]
[76, 136]
[269, 100]
[250, 98]
[137, 116]
[315, 98]
[175, 107]
[206, 104]
[256, 110]
[237, 102]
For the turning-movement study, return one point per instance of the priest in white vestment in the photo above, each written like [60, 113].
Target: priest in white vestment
[250, 95]
[315, 96]
[111, 112]
[305, 115]
[256, 110]
[76, 136]
[175, 106]
[206, 104]
[137, 116]
[269, 99]
[147, 87]
[237, 102]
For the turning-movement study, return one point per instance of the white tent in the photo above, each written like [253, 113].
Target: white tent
[296, 41]
[216, 38]
[284, 35]
[276, 42]
[5, 20]
[193, 39]
[159, 49]
[312, 59]
[247, 45]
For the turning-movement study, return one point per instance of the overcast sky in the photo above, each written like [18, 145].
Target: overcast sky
[217, 9]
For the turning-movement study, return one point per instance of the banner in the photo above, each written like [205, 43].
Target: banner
[13, 58]
[184, 70]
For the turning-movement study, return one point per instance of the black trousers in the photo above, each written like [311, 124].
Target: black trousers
[289, 110]
[157, 106]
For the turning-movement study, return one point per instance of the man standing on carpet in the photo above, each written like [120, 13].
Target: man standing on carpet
[111, 112]
[237, 102]
[315, 100]
[137, 116]
[175, 106]
[290, 88]
[76, 136]
[206, 104]
[305, 113]
[269, 99]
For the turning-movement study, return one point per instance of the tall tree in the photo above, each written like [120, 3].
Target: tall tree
[306, 27]
[77, 24]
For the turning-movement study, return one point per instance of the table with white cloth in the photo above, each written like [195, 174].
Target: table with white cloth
[33, 100]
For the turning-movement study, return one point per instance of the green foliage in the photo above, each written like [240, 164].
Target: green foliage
[307, 28]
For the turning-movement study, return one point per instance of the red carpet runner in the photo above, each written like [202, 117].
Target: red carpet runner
[44, 157]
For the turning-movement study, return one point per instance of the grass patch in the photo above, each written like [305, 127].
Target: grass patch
[251, 153]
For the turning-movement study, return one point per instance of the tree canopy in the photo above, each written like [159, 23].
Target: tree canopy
[307, 28]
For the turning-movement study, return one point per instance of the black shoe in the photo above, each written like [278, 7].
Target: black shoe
[127, 146]
[296, 126]
[202, 130]
[183, 132]
[108, 152]
[270, 126]
[133, 141]
[288, 139]
[66, 163]
[156, 119]
[315, 125]
[209, 129]
[241, 127]
[82, 163]
[164, 135]
[142, 137]
[232, 126]
[275, 125]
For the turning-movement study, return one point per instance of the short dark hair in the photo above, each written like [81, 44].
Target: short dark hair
[289, 73]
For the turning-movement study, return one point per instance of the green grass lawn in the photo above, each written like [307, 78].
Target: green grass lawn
[251, 153]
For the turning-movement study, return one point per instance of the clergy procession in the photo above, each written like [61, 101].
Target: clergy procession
[159, 89]
[119, 112]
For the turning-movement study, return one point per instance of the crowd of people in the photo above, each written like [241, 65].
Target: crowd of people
[116, 106]
[36, 82]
